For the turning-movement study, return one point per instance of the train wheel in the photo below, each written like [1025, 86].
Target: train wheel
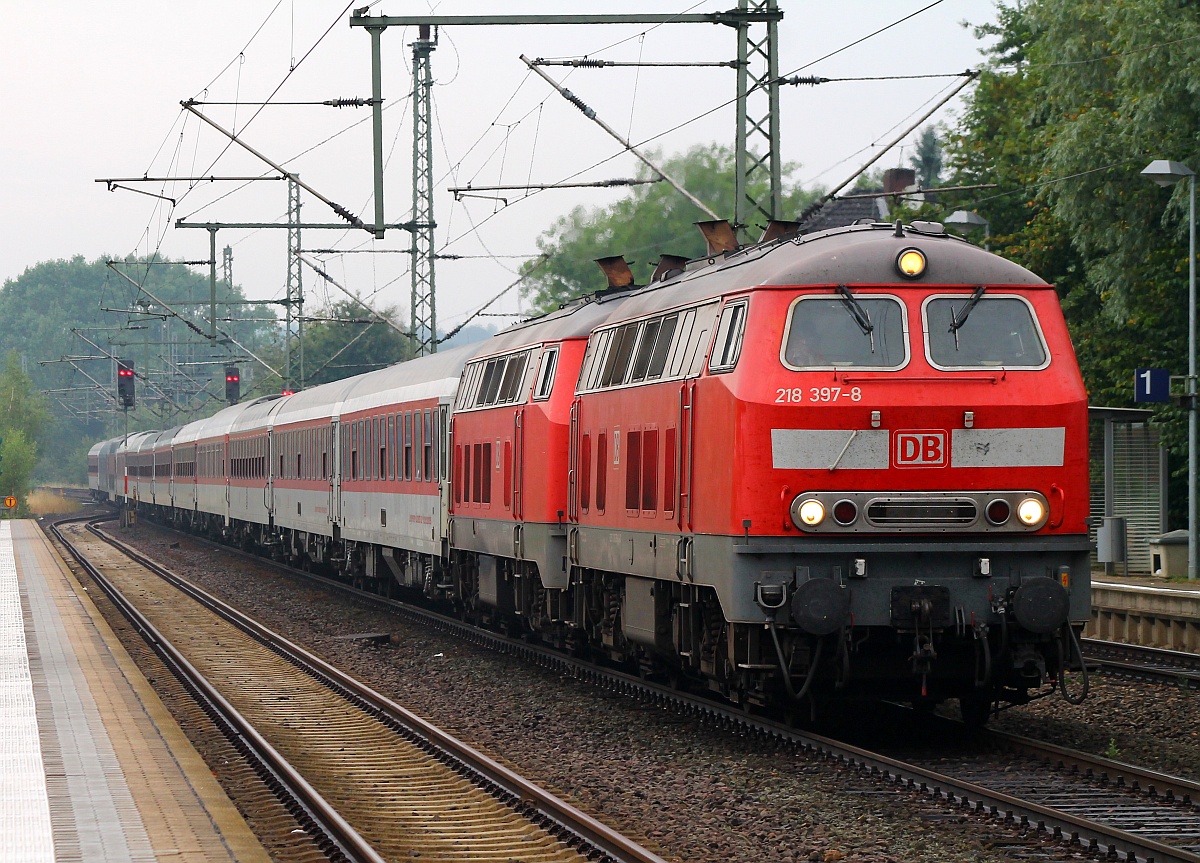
[976, 709]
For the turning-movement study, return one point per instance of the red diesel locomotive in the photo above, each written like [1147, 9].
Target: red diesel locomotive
[848, 464]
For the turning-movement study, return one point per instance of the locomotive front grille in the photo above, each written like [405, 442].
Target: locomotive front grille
[916, 512]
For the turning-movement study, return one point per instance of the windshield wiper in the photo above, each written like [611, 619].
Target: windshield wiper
[856, 311]
[957, 319]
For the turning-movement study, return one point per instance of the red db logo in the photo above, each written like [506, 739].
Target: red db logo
[919, 449]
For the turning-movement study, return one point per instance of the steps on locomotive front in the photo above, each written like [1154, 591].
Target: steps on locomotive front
[93, 768]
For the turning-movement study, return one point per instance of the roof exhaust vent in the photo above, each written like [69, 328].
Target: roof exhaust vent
[668, 266]
[719, 235]
[617, 271]
[778, 229]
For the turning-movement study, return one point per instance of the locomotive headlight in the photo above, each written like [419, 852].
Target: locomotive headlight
[911, 263]
[1031, 512]
[811, 513]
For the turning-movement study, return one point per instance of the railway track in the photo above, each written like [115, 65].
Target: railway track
[375, 780]
[1107, 809]
[1135, 662]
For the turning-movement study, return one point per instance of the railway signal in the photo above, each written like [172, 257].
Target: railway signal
[125, 385]
[233, 384]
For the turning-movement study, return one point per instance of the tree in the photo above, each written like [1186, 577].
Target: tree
[651, 220]
[927, 161]
[346, 339]
[22, 408]
[18, 457]
[47, 309]
[1079, 96]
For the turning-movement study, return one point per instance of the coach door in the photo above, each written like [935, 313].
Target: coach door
[269, 479]
[334, 469]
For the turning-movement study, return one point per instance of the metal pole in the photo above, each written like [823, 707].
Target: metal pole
[1192, 378]
[377, 125]
[212, 283]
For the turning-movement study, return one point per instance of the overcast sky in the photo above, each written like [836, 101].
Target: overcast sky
[92, 90]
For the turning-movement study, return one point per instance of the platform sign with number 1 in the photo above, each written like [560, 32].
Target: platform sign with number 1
[1151, 385]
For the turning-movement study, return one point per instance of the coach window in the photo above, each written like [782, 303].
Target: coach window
[983, 332]
[728, 344]
[427, 447]
[391, 446]
[846, 330]
[408, 465]
[417, 475]
[545, 375]
[383, 452]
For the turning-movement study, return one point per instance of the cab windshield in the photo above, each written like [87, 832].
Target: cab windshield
[846, 330]
[997, 332]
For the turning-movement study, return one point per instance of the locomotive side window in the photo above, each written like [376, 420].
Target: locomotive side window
[678, 353]
[601, 471]
[662, 344]
[729, 338]
[853, 330]
[641, 362]
[514, 373]
[619, 353]
[983, 332]
[545, 375]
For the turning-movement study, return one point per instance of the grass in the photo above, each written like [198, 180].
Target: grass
[44, 502]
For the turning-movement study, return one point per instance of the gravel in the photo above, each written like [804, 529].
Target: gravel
[688, 792]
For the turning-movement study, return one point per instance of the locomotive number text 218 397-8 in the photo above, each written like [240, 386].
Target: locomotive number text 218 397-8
[792, 395]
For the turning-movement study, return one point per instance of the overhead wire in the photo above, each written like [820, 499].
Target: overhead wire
[729, 102]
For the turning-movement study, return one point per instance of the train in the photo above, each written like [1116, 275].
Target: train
[812, 469]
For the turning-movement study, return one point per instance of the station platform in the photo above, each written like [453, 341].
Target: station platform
[1146, 611]
[93, 768]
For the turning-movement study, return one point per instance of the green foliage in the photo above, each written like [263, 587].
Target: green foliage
[49, 310]
[652, 220]
[927, 160]
[345, 340]
[1079, 97]
[22, 408]
[18, 457]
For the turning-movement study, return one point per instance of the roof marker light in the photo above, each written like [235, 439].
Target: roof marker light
[911, 263]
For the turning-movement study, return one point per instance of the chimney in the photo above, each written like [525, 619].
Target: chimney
[719, 235]
[668, 265]
[616, 271]
[896, 180]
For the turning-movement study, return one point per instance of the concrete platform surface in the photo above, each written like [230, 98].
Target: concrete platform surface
[93, 768]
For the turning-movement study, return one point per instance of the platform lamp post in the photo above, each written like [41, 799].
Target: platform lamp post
[1168, 173]
[966, 220]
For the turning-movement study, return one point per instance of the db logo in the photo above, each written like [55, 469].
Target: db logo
[919, 449]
